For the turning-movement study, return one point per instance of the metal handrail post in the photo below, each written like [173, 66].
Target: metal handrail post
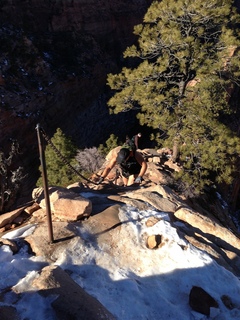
[45, 184]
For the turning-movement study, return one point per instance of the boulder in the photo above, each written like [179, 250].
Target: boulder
[112, 153]
[163, 191]
[12, 244]
[34, 207]
[172, 165]
[65, 204]
[218, 234]
[154, 241]
[155, 200]
[201, 301]
[71, 301]
[39, 240]
[154, 173]
[7, 218]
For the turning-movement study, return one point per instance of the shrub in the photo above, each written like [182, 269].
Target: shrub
[90, 160]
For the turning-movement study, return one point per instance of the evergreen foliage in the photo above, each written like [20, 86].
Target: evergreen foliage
[187, 60]
[10, 178]
[111, 143]
[59, 173]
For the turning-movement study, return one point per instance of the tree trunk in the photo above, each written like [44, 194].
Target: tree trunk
[175, 154]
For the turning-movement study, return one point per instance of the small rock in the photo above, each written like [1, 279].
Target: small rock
[201, 301]
[154, 241]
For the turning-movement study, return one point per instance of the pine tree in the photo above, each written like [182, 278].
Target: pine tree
[186, 60]
[58, 172]
[111, 143]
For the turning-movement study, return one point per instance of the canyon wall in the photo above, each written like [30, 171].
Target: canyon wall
[54, 60]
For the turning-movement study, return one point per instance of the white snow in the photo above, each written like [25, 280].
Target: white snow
[134, 282]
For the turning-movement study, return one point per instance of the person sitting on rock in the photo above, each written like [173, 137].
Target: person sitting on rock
[132, 166]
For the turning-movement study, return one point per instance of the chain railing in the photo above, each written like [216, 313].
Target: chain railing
[63, 159]
[41, 134]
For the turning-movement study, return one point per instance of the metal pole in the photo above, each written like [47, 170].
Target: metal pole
[45, 184]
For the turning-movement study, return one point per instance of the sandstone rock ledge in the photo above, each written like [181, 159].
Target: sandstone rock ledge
[72, 301]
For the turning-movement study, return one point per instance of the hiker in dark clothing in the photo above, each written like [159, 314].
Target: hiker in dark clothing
[132, 165]
[136, 139]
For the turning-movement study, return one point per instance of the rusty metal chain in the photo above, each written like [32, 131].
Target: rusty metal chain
[64, 160]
